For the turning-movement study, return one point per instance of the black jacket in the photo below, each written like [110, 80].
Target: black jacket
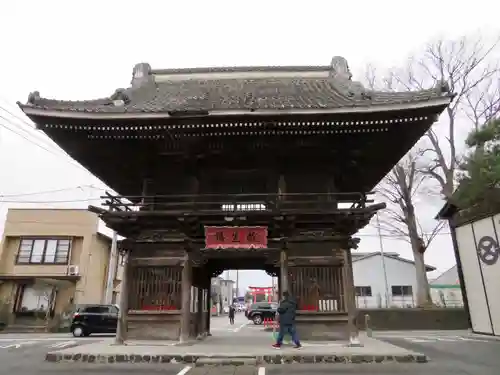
[287, 310]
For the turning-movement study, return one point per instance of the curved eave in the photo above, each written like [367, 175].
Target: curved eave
[30, 110]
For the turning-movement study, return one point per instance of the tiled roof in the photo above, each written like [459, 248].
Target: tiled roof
[212, 89]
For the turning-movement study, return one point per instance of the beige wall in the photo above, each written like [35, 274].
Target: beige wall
[90, 250]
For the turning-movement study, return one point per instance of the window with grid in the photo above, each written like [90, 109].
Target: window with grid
[43, 251]
[364, 291]
[402, 290]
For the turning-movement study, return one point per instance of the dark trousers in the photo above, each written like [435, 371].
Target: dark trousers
[288, 329]
[231, 319]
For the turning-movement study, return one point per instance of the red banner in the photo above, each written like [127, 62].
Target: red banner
[236, 237]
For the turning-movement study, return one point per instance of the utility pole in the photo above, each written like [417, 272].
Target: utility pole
[384, 270]
[237, 284]
[112, 264]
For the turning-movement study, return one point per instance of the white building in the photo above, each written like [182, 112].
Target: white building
[370, 282]
[446, 290]
[475, 233]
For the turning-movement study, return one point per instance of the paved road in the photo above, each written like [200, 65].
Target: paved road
[451, 353]
[25, 352]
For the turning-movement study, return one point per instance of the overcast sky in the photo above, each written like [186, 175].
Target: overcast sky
[87, 49]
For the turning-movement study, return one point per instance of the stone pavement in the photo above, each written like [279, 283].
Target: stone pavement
[248, 345]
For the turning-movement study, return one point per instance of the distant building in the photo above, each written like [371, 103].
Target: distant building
[446, 290]
[222, 294]
[51, 259]
[369, 280]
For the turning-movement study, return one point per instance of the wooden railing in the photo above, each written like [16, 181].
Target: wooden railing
[238, 203]
[318, 288]
[155, 288]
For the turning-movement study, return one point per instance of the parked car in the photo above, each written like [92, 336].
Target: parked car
[89, 319]
[257, 312]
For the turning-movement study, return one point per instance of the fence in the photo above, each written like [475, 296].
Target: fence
[378, 301]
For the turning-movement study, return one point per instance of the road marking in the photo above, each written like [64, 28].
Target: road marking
[18, 345]
[240, 327]
[50, 338]
[62, 344]
[261, 371]
[184, 371]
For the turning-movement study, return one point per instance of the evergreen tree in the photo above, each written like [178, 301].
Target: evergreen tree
[479, 175]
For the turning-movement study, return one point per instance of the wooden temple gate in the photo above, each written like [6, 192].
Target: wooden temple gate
[168, 277]
[274, 147]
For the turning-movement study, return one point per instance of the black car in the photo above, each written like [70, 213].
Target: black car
[89, 319]
[259, 311]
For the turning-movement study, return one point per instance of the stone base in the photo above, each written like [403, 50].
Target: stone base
[154, 325]
[318, 326]
[202, 360]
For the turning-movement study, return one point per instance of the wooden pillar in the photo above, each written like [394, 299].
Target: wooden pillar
[200, 319]
[186, 283]
[280, 290]
[121, 329]
[284, 272]
[209, 305]
[350, 299]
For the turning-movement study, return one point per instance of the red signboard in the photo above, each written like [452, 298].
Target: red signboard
[236, 237]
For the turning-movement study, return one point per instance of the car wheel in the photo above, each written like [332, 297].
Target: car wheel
[78, 331]
[257, 320]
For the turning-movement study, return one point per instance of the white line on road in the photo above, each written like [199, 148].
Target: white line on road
[184, 371]
[240, 327]
[418, 340]
[17, 346]
[63, 344]
[261, 371]
[49, 339]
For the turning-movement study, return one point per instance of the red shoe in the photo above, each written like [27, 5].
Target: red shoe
[277, 346]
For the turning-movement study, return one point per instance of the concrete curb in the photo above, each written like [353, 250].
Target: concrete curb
[228, 360]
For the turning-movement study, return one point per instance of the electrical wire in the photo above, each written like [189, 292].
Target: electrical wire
[42, 192]
[58, 154]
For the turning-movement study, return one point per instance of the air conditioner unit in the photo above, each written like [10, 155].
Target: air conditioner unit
[73, 270]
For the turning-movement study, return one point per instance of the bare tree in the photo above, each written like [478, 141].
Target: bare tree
[470, 68]
[399, 188]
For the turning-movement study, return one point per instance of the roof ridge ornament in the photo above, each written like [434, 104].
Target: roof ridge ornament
[141, 75]
[33, 97]
[339, 71]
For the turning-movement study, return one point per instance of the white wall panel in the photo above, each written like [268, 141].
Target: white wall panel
[478, 306]
[486, 236]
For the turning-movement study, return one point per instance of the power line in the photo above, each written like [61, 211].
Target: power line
[51, 202]
[50, 191]
[39, 145]
[33, 134]
[30, 134]
[30, 126]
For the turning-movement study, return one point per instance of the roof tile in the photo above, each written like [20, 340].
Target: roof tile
[263, 93]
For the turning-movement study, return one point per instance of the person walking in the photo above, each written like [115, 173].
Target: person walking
[287, 311]
[232, 311]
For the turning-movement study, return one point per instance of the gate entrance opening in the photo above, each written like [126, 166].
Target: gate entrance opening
[238, 168]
